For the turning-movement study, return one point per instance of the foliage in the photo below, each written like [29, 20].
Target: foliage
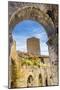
[32, 61]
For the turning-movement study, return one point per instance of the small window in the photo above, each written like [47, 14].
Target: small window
[49, 12]
[42, 60]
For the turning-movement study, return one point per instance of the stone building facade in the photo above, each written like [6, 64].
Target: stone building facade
[28, 70]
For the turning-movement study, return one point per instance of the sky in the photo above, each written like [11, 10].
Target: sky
[27, 29]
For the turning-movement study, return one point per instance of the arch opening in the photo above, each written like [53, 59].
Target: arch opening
[46, 82]
[34, 14]
[30, 81]
[30, 29]
[40, 80]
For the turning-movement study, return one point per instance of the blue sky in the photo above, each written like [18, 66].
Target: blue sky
[27, 29]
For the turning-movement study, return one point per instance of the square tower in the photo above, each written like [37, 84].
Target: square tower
[33, 46]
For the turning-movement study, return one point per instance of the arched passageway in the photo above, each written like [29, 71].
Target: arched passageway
[46, 82]
[30, 81]
[40, 80]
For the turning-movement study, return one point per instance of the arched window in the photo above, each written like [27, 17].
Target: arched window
[30, 81]
[40, 80]
[46, 82]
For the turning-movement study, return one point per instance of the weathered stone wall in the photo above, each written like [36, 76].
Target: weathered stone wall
[26, 71]
[20, 73]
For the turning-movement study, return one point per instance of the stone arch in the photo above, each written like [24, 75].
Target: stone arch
[40, 80]
[30, 81]
[33, 13]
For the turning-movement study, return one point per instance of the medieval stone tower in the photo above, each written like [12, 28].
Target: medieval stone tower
[33, 46]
